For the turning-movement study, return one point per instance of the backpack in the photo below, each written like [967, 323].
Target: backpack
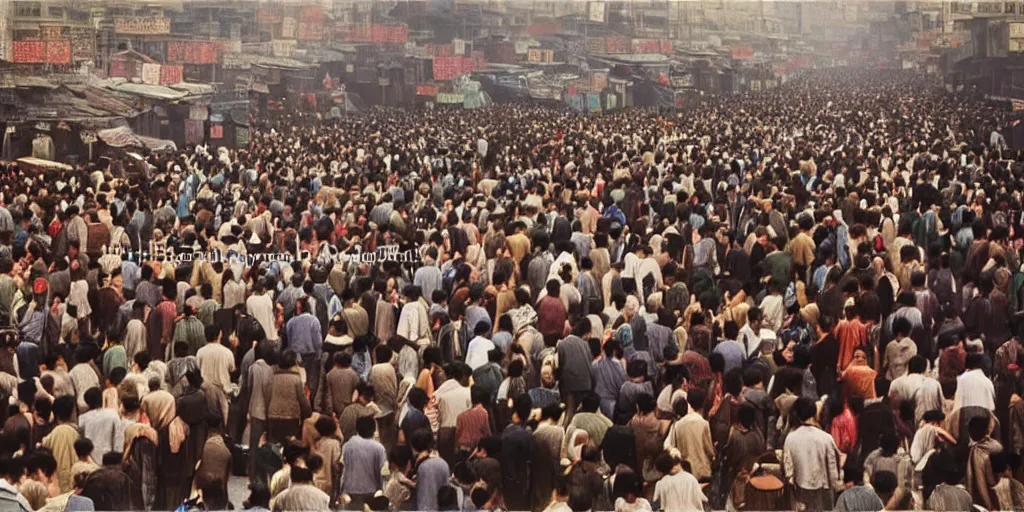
[616, 215]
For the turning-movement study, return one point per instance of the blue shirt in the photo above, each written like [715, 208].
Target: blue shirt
[431, 475]
[733, 352]
[304, 335]
[363, 460]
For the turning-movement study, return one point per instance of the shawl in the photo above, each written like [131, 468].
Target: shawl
[160, 407]
[135, 431]
[135, 338]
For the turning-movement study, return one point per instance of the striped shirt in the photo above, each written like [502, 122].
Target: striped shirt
[168, 311]
[472, 426]
[192, 331]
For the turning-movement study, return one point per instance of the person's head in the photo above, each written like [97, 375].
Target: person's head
[522, 405]
[64, 408]
[553, 287]
[366, 427]
[978, 428]
[117, 376]
[974, 361]
[326, 426]
[917, 364]
[366, 392]
[805, 409]
[665, 463]
[447, 498]
[417, 398]
[304, 475]
[695, 398]
[884, 483]
[421, 440]
[41, 465]
[591, 402]
[752, 378]
[580, 500]
[259, 496]
[853, 472]
[94, 398]
[112, 459]
[889, 442]
[212, 333]
[83, 448]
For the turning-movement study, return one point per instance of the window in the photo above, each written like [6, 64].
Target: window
[55, 12]
[27, 9]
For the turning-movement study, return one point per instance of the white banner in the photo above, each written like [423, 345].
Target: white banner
[151, 74]
[597, 12]
[460, 47]
[522, 47]
[288, 28]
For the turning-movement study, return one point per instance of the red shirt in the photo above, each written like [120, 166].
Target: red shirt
[471, 426]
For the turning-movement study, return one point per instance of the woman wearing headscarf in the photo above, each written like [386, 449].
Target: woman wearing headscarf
[141, 444]
[174, 455]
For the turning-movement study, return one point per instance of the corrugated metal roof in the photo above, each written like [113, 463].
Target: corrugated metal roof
[159, 92]
[33, 81]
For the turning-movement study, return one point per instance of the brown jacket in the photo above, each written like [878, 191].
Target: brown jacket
[337, 394]
[288, 399]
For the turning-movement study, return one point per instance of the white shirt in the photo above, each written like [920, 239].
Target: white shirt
[973, 388]
[751, 338]
[924, 391]
[216, 362]
[773, 312]
[924, 441]
[679, 492]
[453, 399]
[476, 353]
[811, 458]
[261, 307]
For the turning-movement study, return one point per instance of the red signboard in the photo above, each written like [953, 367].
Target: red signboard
[311, 31]
[118, 68]
[742, 52]
[58, 52]
[446, 68]
[665, 45]
[201, 52]
[312, 15]
[216, 131]
[383, 34]
[29, 52]
[40, 52]
[426, 90]
[545, 28]
[269, 14]
[171, 74]
[619, 45]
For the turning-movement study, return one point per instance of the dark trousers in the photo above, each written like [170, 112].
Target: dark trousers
[358, 500]
[311, 363]
[278, 431]
[256, 430]
[446, 444]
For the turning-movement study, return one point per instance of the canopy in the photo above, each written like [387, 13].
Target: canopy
[39, 163]
[120, 137]
[158, 145]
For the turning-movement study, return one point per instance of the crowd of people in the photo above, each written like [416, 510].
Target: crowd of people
[806, 298]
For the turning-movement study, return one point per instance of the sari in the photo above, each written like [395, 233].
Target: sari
[860, 381]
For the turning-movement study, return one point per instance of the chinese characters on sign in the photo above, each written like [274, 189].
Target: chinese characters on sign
[142, 26]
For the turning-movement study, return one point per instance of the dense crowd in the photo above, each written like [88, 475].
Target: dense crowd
[807, 298]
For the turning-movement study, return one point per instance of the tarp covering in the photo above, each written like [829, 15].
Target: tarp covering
[122, 137]
[44, 164]
[159, 145]
[159, 92]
